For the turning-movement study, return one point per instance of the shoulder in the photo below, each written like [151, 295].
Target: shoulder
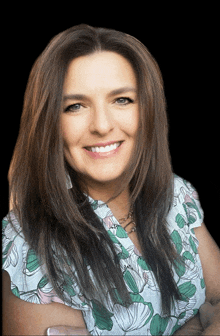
[28, 280]
[12, 240]
[209, 253]
[11, 226]
[28, 275]
[184, 216]
[186, 206]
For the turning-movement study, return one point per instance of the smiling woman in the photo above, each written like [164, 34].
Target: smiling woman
[105, 124]
[100, 230]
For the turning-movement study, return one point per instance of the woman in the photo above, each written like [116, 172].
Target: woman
[101, 230]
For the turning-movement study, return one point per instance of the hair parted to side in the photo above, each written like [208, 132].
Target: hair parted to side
[59, 224]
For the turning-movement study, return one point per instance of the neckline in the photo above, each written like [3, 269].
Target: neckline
[98, 202]
[125, 241]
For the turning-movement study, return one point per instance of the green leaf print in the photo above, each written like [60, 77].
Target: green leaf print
[188, 256]
[43, 282]
[175, 328]
[191, 205]
[195, 311]
[16, 292]
[177, 240]
[32, 261]
[4, 224]
[5, 252]
[191, 219]
[121, 233]
[113, 238]
[180, 221]
[102, 316]
[185, 208]
[182, 315]
[187, 290]
[68, 286]
[193, 245]
[130, 281]
[202, 283]
[158, 325]
[137, 298]
[94, 205]
[124, 254]
[180, 269]
[149, 304]
[142, 263]
[118, 298]
[194, 206]
[121, 255]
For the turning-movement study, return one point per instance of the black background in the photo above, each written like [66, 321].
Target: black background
[184, 43]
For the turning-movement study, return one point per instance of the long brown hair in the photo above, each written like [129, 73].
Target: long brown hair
[59, 224]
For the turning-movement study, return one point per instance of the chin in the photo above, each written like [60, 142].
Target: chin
[104, 179]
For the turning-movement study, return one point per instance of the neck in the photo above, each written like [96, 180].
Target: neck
[120, 205]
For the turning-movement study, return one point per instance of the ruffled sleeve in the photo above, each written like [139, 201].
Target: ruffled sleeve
[29, 280]
[186, 202]
[20, 261]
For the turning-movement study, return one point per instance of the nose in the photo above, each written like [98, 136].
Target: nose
[101, 121]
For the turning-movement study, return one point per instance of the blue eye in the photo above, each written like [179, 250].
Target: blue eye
[124, 101]
[73, 108]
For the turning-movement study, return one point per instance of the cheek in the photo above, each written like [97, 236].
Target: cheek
[67, 138]
[71, 137]
[70, 131]
[130, 122]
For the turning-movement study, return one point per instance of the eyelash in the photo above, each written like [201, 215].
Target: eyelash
[68, 108]
[129, 101]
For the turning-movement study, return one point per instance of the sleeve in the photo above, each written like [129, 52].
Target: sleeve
[186, 215]
[12, 240]
[29, 280]
[12, 246]
[186, 200]
[15, 254]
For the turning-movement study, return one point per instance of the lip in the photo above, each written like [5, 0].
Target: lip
[103, 144]
[104, 155]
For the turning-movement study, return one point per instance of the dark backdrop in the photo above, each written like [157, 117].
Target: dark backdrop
[184, 44]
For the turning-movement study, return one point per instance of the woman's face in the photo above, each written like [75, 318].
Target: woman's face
[100, 116]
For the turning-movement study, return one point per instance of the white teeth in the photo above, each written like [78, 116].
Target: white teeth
[104, 149]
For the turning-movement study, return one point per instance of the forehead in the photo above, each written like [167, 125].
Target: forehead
[99, 71]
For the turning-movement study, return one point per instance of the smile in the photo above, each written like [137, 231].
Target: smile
[104, 149]
[102, 152]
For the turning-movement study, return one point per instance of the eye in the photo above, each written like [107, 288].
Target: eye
[73, 108]
[124, 101]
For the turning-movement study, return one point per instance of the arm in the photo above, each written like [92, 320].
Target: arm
[193, 327]
[207, 321]
[210, 258]
[24, 318]
[210, 318]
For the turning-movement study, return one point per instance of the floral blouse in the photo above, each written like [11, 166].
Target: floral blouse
[144, 316]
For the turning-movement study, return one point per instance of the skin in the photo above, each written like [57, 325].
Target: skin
[101, 117]
[24, 318]
[104, 113]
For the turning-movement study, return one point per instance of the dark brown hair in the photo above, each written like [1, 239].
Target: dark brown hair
[60, 224]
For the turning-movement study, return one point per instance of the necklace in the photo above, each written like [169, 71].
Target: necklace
[123, 220]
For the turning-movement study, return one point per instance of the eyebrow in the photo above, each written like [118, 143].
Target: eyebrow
[110, 94]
